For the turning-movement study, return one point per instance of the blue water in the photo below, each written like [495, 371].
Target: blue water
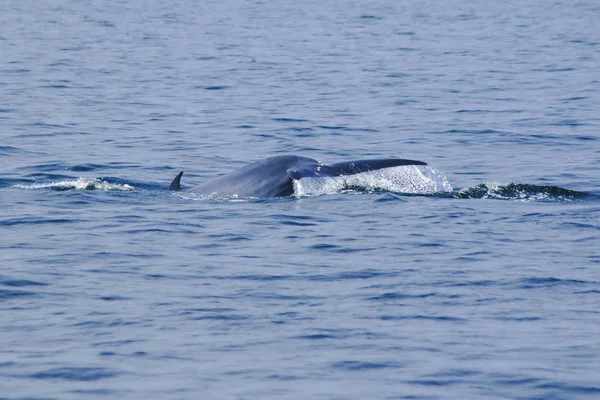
[113, 287]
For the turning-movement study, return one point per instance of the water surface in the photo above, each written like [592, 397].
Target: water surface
[113, 287]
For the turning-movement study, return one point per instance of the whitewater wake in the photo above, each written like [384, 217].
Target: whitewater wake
[415, 180]
[77, 184]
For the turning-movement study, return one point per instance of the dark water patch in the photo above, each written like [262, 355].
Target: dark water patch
[588, 292]
[104, 324]
[15, 294]
[28, 398]
[434, 382]
[576, 98]
[346, 128]
[399, 75]
[390, 198]
[455, 373]
[568, 122]
[317, 336]
[348, 250]
[44, 125]
[288, 120]
[157, 276]
[62, 62]
[7, 364]
[116, 343]
[299, 129]
[533, 283]
[324, 246]
[95, 392]
[301, 133]
[39, 169]
[147, 230]
[5, 183]
[370, 17]
[352, 275]
[521, 192]
[266, 135]
[87, 167]
[15, 71]
[20, 282]
[570, 388]
[400, 296]
[440, 318]
[114, 298]
[479, 283]
[218, 87]
[221, 317]
[260, 278]
[472, 131]
[517, 319]
[195, 311]
[516, 381]
[363, 365]
[37, 221]
[586, 138]
[284, 378]
[297, 220]
[229, 237]
[57, 86]
[76, 374]
[553, 69]
[429, 244]
[405, 102]
[580, 225]
[10, 150]
[275, 296]
[127, 218]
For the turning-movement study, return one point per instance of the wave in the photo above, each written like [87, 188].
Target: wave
[521, 192]
[78, 184]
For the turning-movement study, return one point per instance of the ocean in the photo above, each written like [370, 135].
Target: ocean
[113, 287]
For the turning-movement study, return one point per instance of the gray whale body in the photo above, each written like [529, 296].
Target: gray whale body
[274, 176]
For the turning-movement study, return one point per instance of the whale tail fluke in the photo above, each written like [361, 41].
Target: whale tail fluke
[176, 185]
[359, 166]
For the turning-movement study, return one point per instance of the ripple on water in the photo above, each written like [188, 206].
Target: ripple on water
[84, 374]
[353, 365]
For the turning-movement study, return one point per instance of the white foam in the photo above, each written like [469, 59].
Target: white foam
[213, 197]
[79, 184]
[412, 179]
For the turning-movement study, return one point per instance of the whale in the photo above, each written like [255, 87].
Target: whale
[275, 176]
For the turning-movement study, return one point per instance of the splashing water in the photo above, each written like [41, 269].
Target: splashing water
[79, 184]
[410, 179]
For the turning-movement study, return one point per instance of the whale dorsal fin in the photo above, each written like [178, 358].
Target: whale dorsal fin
[176, 185]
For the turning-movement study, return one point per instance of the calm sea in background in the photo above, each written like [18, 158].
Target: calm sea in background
[112, 287]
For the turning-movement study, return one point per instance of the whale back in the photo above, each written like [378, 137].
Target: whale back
[274, 176]
[264, 178]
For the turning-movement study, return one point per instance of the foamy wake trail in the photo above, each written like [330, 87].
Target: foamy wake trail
[411, 179]
[79, 184]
